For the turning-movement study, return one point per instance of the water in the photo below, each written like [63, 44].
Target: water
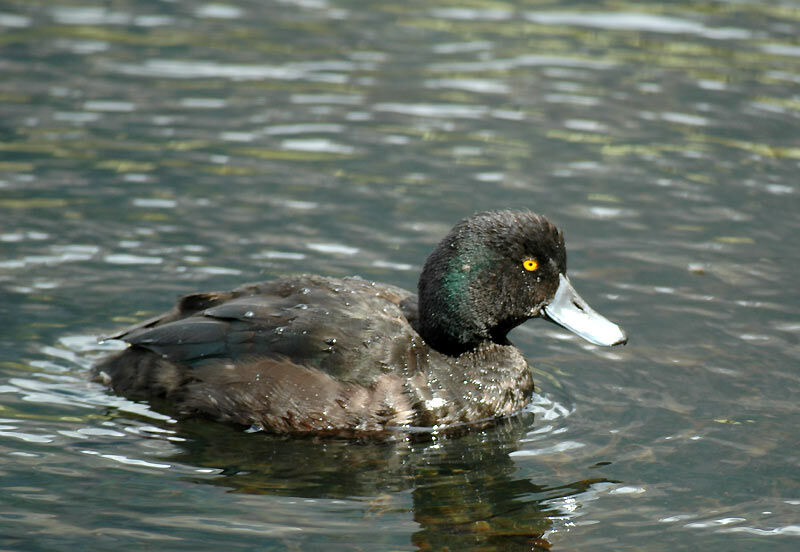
[153, 148]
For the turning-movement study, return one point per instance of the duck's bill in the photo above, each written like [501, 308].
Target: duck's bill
[568, 309]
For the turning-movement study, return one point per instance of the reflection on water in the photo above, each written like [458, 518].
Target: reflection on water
[463, 492]
[150, 149]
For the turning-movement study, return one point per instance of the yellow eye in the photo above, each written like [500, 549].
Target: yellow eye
[530, 264]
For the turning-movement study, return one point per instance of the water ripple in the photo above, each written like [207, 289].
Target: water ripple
[182, 69]
[621, 21]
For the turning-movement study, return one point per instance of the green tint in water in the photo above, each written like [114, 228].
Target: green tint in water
[150, 149]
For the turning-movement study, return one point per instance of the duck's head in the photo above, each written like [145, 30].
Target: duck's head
[494, 271]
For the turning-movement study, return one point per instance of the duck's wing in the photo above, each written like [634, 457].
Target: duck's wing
[350, 329]
[187, 306]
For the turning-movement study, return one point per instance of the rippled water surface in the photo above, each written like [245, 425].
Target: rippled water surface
[153, 148]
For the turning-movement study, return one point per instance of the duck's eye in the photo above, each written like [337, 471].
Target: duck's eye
[530, 264]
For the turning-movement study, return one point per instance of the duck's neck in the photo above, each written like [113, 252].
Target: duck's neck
[447, 344]
[453, 316]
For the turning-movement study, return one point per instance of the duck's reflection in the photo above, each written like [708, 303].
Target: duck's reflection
[466, 492]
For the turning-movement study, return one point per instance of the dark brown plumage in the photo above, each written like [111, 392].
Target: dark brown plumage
[348, 356]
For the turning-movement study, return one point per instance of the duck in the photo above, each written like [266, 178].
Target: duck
[312, 354]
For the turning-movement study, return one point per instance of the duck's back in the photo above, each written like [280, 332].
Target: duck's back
[289, 345]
